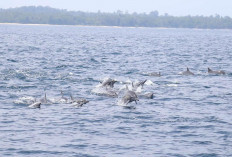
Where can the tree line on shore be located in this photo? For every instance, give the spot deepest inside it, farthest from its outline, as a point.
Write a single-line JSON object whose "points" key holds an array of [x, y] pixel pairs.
{"points": [[47, 15]]}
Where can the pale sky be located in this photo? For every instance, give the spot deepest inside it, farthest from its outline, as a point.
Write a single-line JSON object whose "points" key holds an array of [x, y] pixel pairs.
{"points": [[172, 7]]}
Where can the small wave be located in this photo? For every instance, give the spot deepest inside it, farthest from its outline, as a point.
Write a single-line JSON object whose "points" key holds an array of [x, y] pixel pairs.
{"points": [[149, 83], [25, 100], [98, 90], [20, 86], [172, 85]]}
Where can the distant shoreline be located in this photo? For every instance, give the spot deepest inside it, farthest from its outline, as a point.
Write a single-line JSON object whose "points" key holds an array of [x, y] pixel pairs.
{"points": [[34, 15], [32, 24], [109, 26]]}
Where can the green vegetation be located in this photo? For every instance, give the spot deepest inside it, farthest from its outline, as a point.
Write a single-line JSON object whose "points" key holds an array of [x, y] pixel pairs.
{"points": [[47, 15]]}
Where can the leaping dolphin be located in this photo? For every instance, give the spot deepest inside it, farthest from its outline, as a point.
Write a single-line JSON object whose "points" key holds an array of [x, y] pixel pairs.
{"points": [[108, 82], [129, 96], [140, 83]]}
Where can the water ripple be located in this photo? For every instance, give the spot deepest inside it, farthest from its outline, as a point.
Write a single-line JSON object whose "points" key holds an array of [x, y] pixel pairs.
{"points": [[188, 116]]}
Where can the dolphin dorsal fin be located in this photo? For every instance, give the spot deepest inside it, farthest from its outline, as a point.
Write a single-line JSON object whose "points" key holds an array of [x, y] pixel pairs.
{"points": [[62, 94], [71, 97], [144, 82], [209, 69], [187, 69], [45, 97], [127, 87]]}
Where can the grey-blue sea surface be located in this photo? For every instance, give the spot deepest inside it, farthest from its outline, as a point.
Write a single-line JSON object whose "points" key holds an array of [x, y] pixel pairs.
{"points": [[189, 116]]}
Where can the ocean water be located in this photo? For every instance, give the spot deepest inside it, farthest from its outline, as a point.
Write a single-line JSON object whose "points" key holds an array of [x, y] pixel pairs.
{"points": [[189, 116]]}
